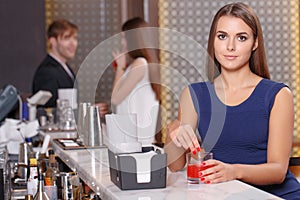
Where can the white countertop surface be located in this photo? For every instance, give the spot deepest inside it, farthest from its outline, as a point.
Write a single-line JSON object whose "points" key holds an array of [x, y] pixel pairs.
{"points": [[59, 134], [92, 167]]}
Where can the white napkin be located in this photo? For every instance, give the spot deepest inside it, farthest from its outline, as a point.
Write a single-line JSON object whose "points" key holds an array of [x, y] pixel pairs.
{"points": [[143, 165], [11, 130], [122, 133]]}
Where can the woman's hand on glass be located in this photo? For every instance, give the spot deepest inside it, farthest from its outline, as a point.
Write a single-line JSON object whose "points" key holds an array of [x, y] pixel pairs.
{"points": [[217, 171]]}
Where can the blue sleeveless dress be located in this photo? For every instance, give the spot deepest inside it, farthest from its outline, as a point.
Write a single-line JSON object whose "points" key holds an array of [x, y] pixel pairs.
{"points": [[239, 134]]}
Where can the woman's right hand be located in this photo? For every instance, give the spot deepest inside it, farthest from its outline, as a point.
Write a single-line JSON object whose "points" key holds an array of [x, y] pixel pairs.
{"points": [[119, 60], [183, 136]]}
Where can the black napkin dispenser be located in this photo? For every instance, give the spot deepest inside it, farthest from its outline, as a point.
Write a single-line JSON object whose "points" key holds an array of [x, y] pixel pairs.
{"points": [[124, 173]]}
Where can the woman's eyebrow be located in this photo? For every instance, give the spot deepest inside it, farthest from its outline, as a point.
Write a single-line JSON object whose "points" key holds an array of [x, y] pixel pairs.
{"points": [[224, 32], [242, 33], [239, 33]]}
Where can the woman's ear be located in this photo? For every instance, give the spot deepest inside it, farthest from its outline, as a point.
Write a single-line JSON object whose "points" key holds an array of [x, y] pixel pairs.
{"points": [[255, 45]]}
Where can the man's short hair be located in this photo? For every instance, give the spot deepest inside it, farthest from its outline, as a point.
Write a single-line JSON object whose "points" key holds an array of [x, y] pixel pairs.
{"points": [[59, 27]]}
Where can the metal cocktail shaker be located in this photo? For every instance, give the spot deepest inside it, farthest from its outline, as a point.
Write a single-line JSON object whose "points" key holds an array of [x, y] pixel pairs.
{"points": [[93, 130]]}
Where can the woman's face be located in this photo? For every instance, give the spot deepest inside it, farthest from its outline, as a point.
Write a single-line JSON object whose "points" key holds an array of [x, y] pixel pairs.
{"points": [[234, 42]]}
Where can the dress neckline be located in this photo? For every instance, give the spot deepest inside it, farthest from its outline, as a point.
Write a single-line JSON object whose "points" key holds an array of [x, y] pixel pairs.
{"points": [[243, 102]]}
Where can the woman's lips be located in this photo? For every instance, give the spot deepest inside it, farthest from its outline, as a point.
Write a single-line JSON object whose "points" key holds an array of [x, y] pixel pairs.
{"points": [[230, 57]]}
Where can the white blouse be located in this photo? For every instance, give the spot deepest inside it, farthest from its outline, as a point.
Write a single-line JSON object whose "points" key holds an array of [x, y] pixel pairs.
{"points": [[142, 101]]}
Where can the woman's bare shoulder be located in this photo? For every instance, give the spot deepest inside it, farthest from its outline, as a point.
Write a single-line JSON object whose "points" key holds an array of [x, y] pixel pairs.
{"points": [[138, 62]]}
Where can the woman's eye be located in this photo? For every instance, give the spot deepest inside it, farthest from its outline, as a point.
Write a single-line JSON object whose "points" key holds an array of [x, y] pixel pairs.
{"points": [[222, 36], [242, 38]]}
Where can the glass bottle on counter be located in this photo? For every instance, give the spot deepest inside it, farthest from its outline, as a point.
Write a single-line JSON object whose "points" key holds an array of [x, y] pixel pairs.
{"points": [[52, 171], [41, 195], [32, 181], [50, 176], [42, 163], [53, 162]]}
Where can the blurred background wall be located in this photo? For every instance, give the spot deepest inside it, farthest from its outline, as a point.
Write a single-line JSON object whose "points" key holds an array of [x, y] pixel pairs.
{"points": [[22, 39]]}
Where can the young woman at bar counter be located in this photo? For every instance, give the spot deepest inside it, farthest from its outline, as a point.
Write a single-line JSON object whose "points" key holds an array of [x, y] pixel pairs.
{"points": [[254, 114], [132, 87]]}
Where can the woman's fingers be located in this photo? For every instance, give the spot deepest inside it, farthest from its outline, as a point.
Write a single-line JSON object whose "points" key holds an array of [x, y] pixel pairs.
{"points": [[217, 172], [187, 138], [193, 141], [173, 136], [115, 54], [184, 136]]}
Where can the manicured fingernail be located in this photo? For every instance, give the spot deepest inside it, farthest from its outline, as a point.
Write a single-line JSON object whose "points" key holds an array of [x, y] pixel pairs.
{"points": [[194, 152], [198, 148], [202, 179], [203, 163], [207, 182]]}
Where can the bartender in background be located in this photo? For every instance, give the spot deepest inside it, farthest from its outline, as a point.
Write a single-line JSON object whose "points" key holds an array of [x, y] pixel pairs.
{"points": [[54, 72]]}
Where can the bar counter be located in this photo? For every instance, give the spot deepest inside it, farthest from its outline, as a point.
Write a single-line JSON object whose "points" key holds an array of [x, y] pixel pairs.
{"points": [[92, 167]]}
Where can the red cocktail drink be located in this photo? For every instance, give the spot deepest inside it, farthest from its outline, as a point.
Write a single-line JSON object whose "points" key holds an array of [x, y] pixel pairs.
{"points": [[193, 170], [194, 166]]}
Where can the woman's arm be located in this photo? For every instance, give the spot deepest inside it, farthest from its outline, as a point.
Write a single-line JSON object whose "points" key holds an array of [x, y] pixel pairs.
{"points": [[123, 86], [281, 126], [181, 134]]}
